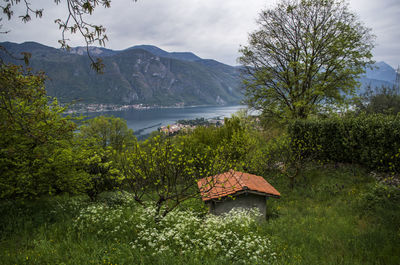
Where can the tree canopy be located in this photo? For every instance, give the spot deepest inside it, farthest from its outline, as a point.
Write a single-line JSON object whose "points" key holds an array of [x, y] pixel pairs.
{"points": [[305, 55], [36, 154]]}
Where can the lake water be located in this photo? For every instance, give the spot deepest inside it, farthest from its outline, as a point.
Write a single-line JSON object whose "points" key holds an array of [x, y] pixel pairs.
{"points": [[147, 120]]}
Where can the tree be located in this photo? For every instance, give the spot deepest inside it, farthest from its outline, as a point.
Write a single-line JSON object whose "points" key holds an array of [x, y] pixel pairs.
{"points": [[384, 100], [101, 140], [233, 139], [36, 152], [289, 156], [109, 132], [164, 171], [305, 55]]}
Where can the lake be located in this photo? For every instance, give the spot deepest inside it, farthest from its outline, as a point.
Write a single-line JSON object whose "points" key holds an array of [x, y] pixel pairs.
{"points": [[147, 120]]}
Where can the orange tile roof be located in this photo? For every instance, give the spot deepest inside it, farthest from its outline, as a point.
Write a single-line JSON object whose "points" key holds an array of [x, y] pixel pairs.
{"points": [[231, 182]]}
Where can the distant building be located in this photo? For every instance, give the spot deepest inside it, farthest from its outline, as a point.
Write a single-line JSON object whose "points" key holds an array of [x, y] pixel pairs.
{"points": [[174, 128], [216, 122], [234, 189]]}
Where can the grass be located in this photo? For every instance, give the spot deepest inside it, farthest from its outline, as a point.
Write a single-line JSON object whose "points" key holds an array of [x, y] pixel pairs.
{"points": [[332, 216], [324, 220]]}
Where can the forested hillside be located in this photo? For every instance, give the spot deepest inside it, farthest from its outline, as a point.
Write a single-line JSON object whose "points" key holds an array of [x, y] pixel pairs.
{"points": [[141, 74]]}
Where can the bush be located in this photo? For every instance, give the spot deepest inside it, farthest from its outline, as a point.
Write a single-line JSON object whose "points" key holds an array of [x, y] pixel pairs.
{"points": [[369, 140], [234, 137], [381, 203]]}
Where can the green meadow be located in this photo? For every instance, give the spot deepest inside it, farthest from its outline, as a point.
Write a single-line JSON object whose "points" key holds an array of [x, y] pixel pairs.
{"points": [[337, 215]]}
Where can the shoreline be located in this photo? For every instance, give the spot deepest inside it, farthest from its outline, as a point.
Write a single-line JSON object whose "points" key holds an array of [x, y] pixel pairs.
{"points": [[99, 107]]}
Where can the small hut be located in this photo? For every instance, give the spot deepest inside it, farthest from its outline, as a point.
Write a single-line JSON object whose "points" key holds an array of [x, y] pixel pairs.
{"points": [[234, 189]]}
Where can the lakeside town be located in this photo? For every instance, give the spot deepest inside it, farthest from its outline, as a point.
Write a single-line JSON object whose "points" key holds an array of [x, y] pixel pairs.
{"points": [[188, 125], [99, 107]]}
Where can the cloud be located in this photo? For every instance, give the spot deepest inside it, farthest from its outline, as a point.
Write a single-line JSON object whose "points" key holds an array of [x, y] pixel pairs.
{"points": [[383, 18], [210, 28]]}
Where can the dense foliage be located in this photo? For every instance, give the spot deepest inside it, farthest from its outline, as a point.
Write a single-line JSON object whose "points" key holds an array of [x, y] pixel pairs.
{"points": [[37, 156], [369, 140], [304, 56], [383, 100], [233, 139]]}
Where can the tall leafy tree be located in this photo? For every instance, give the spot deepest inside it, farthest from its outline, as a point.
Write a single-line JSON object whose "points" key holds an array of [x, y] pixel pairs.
{"points": [[101, 141], [36, 152], [305, 55]]}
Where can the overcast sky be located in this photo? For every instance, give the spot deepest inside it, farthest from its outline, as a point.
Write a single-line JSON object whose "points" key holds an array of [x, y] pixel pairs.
{"points": [[209, 28]]}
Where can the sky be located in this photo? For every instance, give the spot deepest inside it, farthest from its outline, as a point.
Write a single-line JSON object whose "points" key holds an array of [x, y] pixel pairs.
{"points": [[212, 29]]}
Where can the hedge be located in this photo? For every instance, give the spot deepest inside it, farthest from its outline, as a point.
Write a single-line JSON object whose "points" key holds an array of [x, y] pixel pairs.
{"points": [[369, 140]]}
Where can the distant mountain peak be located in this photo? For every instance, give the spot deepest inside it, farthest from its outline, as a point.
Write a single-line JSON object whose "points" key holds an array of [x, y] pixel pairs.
{"points": [[31, 43], [27, 45], [185, 56], [381, 71], [382, 64], [150, 48]]}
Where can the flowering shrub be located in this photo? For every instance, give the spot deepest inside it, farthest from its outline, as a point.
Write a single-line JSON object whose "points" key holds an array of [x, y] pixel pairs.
{"points": [[230, 238]]}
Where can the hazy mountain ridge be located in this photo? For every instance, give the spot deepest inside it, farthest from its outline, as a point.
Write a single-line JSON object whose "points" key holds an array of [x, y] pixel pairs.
{"points": [[381, 71], [380, 74], [133, 75]]}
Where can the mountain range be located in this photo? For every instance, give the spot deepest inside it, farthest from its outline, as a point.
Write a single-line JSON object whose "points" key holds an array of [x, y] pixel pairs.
{"points": [[381, 74], [140, 74], [147, 74]]}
